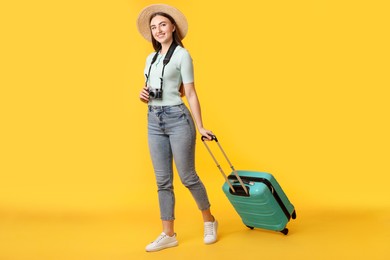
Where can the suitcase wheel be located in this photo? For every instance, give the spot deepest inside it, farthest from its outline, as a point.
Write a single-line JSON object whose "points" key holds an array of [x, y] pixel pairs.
{"points": [[294, 215], [284, 231], [250, 227]]}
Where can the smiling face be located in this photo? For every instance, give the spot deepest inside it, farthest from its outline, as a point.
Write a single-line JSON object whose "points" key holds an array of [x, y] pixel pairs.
{"points": [[162, 29]]}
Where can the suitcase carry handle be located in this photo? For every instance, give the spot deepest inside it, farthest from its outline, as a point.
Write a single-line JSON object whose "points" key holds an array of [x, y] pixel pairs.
{"points": [[214, 138]]}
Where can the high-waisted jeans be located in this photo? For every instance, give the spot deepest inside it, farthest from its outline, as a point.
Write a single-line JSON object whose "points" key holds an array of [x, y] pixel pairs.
{"points": [[171, 137]]}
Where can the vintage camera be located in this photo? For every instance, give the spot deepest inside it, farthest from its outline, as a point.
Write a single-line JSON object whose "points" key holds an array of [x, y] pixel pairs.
{"points": [[155, 93]]}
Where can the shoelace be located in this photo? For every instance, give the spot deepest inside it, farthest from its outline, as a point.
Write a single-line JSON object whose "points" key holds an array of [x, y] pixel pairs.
{"points": [[208, 229], [162, 236]]}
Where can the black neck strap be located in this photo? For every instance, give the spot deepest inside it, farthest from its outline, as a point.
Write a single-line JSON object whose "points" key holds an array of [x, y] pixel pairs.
{"points": [[167, 58]]}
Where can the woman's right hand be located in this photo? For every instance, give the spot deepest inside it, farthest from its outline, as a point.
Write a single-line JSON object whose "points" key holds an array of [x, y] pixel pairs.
{"points": [[144, 95]]}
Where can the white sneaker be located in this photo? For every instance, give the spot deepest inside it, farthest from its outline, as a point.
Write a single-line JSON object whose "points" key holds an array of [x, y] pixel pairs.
{"points": [[163, 241], [210, 232]]}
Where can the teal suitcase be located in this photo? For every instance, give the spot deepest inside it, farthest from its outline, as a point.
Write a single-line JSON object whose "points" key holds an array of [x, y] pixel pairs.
{"points": [[257, 197]]}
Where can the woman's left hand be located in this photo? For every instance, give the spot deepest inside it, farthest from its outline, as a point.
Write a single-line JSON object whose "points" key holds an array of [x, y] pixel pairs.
{"points": [[207, 133]]}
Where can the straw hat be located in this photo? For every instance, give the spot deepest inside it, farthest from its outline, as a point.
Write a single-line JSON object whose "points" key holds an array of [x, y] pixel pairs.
{"points": [[143, 21]]}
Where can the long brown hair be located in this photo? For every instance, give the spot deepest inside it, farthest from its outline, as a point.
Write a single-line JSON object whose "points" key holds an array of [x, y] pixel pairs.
{"points": [[175, 35]]}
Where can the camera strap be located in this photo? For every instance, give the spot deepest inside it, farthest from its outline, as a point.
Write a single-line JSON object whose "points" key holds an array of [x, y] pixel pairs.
{"points": [[167, 58]]}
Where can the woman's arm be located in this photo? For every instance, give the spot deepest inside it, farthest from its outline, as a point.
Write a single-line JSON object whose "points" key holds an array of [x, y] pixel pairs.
{"points": [[194, 104]]}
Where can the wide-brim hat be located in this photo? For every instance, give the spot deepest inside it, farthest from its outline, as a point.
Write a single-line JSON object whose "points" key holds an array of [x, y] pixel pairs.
{"points": [[143, 21]]}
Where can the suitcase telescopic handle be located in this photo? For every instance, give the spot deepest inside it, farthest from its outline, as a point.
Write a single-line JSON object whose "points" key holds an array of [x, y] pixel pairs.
{"points": [[214, 138]]}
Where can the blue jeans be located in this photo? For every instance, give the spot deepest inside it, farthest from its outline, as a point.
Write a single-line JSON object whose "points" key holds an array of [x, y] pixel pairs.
{"points": [[171, 136]]}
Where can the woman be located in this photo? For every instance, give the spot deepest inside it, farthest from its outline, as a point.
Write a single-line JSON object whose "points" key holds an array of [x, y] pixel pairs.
{"points": [[171, 129]]}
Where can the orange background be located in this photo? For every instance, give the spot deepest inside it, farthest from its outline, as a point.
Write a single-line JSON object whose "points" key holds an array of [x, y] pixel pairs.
{"points": [[298, 89]]}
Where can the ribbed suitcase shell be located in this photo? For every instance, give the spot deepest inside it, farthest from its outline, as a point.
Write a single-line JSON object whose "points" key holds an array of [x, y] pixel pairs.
{"points": [[260, 209]]}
